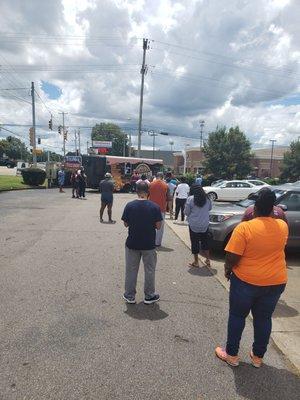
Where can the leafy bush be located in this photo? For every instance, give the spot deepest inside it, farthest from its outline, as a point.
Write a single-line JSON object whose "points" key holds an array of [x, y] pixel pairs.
{"points": [[33, 176], [272, 181]]}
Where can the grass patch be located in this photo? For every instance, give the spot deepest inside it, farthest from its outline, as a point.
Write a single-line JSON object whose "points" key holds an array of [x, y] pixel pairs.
{"points": [[12, 183]]}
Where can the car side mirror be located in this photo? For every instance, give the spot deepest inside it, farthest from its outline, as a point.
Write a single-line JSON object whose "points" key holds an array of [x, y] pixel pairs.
{"points": [[283, 207]]}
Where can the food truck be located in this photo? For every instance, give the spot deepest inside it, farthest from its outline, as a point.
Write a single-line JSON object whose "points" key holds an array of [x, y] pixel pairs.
{"points": [[121, 169]]}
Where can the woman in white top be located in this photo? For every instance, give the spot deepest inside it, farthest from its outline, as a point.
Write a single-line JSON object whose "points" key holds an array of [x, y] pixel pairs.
{"points": [[182, 193]]}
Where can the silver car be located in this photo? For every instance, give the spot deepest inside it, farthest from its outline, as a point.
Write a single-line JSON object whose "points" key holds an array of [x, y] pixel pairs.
{"points": [[225, 217]]}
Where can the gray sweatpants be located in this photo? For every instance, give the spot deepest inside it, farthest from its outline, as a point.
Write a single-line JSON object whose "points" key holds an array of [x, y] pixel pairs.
{"points": [[133, 258]]}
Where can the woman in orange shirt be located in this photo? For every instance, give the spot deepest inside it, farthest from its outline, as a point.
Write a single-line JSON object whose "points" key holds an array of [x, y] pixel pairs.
{"points": [[255, 264]]}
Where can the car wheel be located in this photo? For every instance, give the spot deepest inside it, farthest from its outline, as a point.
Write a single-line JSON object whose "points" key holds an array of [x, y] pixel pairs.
{"points": [[212, 196]]}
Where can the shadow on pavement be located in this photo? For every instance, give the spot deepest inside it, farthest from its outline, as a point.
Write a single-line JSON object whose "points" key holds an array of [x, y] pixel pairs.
{"points": [[164, 249], [266, 383], [202, 271], [142, 311], [282, 310]]}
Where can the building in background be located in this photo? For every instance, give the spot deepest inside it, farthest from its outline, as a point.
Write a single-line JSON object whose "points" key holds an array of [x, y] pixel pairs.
{"points": [[261, 161]]}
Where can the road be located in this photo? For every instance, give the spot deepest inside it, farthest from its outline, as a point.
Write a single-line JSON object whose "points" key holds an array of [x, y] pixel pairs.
{"points": [[66, 333]]}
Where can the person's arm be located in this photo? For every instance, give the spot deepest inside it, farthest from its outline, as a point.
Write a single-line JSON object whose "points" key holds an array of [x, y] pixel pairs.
{"points": [[125, 217], [125, 224], [231, 260], [100, 187], [158, 225], [158, 218], [187, 208], [235, 248]]}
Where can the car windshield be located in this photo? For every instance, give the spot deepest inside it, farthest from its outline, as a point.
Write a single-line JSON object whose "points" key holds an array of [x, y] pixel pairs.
{"points": [[218, 183], [249, 202], [257, 183]]}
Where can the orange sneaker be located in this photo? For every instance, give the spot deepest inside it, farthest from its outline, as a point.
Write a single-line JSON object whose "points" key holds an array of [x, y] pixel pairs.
{"points": [[257, 362], [234, 361]]}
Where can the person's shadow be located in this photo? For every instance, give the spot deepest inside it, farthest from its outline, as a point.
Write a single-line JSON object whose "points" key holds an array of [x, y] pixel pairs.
{"points": [[202, 271], [266, 383], [143, 311]]}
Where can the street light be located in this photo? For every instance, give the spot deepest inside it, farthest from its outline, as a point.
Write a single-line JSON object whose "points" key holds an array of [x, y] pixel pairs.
{"points": [[184, 157], [171, 143], [153, 134], [202, 123]]}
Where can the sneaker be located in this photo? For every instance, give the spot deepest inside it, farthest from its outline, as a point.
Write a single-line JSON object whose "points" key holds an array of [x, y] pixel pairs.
{"points": [[234, 361], [256, 361], [151, 300], [129, 300]]}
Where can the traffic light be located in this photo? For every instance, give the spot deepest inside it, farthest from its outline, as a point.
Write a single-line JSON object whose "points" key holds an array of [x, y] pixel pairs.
{"points": [[65, 135], [50, 124], [31, 136], [59, 129], [39, 140]]}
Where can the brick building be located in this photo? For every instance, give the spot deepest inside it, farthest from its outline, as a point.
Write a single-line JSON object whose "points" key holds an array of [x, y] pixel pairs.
{"points": [[261, 161]]}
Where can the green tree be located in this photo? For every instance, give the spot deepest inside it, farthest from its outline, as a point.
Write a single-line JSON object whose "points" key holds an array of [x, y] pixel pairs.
{"points": [[291, 163], [113, 133], [227, 153], [14, 148]]}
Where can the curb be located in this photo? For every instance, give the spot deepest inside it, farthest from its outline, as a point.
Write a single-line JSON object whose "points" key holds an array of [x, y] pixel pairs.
{"points": [[26, 188], [295, 369]]}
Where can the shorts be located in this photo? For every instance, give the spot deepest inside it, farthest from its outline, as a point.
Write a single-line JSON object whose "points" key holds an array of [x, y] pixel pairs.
{"points": [[196, 239], [107, 198]]}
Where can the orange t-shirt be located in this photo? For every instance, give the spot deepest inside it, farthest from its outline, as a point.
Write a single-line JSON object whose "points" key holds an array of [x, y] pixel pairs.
{"points": [[158, 194], [261, 244]]}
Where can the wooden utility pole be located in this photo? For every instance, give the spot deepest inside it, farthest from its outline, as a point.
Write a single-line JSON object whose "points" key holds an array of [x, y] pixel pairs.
{"points": [[33, 125], [143, 73]]}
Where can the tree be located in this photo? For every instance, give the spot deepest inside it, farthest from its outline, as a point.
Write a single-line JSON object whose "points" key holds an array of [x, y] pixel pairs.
{"points": [[291, 163], [14, 148], [227, 154], [113, 133]]}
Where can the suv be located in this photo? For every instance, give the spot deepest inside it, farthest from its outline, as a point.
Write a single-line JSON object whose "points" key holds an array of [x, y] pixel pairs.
{"points": [[224, 218]]}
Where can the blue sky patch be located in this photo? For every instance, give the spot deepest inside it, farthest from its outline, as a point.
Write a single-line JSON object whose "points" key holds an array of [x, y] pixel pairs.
{"points": [[52, 91], [286, 101]]}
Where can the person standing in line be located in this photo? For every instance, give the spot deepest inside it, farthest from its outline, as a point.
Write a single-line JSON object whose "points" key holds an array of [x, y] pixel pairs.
{"points": [[106, 189], [172, 187], [61, 175], [182, 193], [142, 217], [82, 182], [134, 178], [198, 180], [143, 179], [73, 181], [158, 192], [197, 209], [256, 267]]}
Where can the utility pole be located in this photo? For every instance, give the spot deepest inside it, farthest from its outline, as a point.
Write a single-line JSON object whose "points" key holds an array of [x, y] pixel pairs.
{"points": [[87, 147], [63, 127], [153, 134], [272, 152], [33, 125], [75, 134], [124, 144], [143, 73], [79, 145], [202, 123], [171, 143]]}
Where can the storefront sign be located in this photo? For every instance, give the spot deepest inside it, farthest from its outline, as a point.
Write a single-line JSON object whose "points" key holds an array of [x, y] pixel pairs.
{"points": [[101, 143]]}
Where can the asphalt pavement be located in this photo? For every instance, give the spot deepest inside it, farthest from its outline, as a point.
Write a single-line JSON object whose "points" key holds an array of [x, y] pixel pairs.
{"points": [[66, 333]]}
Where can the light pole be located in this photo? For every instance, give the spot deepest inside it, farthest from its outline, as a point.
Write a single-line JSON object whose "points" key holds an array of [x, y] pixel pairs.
{"points": [[272, 153], [153, 134], [171, 143], [202, 123], [130, 141], [184, 157]]}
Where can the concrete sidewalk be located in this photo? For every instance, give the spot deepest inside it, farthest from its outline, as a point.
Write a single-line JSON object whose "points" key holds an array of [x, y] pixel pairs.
{"points": [[286, 319]]}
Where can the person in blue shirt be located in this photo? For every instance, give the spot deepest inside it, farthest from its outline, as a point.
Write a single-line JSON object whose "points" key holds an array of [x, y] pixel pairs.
{"points": [[61, 179], [142, 217], [198, 180]]}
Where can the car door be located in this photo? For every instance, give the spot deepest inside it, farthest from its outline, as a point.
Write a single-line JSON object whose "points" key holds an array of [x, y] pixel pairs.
{"points": [[226, 191], [292, 203]]}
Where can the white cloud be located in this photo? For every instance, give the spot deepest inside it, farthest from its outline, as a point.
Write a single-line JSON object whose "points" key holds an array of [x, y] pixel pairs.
{"points": [[234, 62]]}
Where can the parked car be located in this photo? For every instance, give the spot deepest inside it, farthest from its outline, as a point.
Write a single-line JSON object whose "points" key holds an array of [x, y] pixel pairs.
{"points": [[225, 217], [231, 190], [7, 163], [257, 182], [218, 182]]}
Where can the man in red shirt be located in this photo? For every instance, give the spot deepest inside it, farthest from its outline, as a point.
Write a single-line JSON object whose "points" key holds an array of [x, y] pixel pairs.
{"points": [[158, 191]]}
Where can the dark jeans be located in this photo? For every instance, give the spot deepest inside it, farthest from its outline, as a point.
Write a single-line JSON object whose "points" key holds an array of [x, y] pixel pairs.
{"points": [[261, 300], [179, 206], [196, 239]]}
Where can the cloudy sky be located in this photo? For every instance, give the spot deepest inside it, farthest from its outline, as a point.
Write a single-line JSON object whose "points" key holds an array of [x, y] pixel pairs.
{"points": [[227, 63]]}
